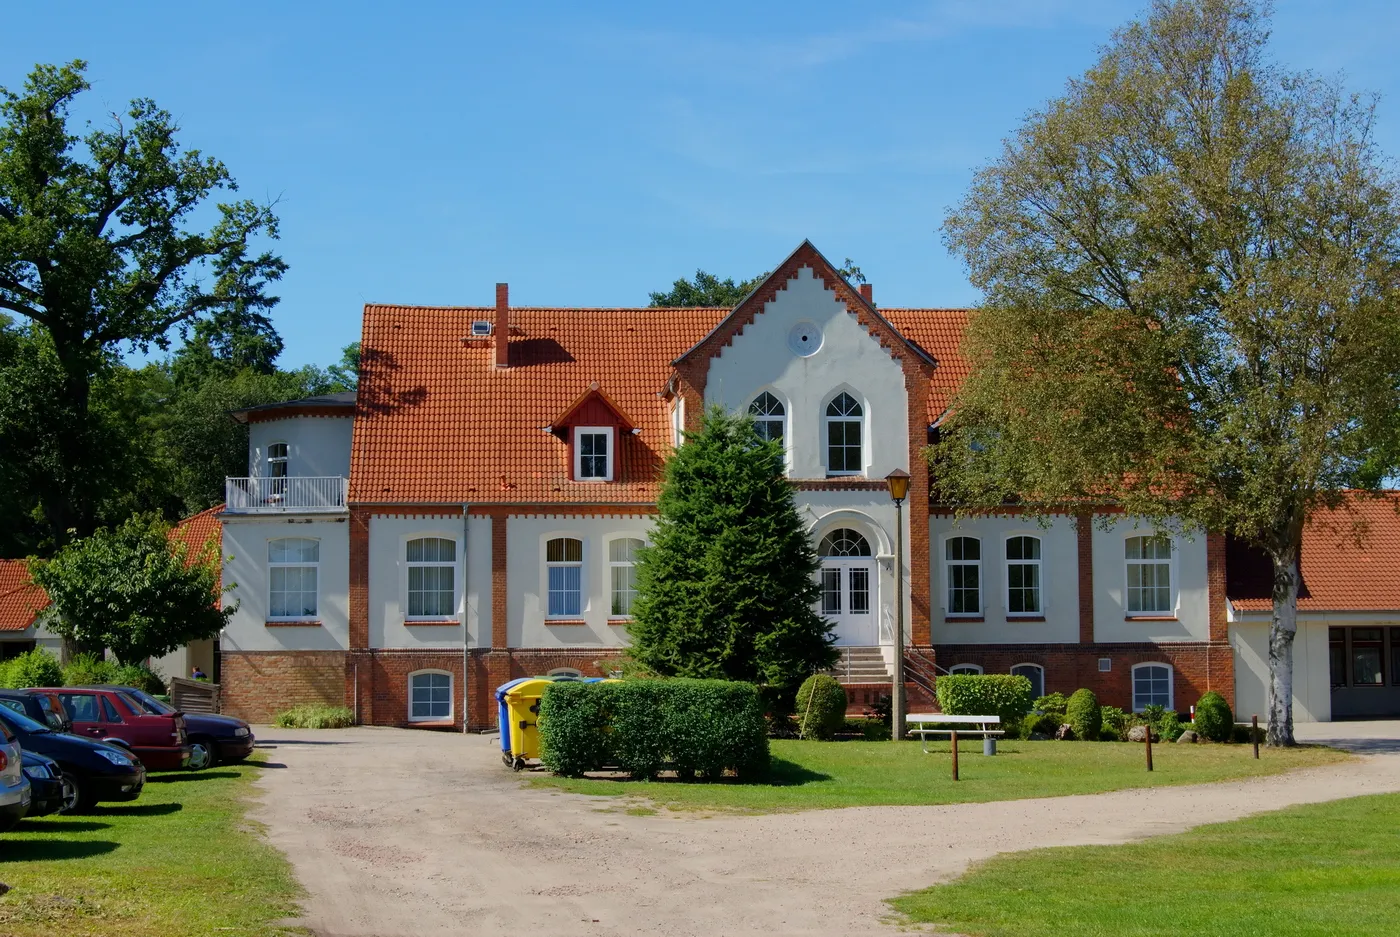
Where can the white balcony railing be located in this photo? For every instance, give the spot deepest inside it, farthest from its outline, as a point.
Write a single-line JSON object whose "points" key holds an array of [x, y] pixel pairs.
{"points": [[257, 495]]}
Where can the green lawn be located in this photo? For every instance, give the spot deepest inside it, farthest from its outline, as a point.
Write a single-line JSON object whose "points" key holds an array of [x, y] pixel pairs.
{"points": [[1325, 870], [808, 775], [181, 860]]}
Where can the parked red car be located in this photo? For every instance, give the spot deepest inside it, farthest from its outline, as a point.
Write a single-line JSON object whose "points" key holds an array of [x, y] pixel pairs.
{"points": [[158, 739]]}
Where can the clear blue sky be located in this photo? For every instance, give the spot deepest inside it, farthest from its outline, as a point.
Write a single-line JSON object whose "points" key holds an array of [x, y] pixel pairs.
{"points": [[590, 153]]}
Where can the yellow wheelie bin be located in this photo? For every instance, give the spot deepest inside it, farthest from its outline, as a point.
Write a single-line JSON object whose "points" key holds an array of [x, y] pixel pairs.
{"points": [[521, 706]]}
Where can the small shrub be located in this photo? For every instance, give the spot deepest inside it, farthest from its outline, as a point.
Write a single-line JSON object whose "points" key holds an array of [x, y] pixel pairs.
{"points": [[882, 711], [141, 677], [1165, 722], [821, 707], [871, 730], [315, 716], [1214, 721], [1241, 733], [32, 668], [88, 670], [990, 694], [1114, 725], [1044, 723], [694, 727], [1083, 712], [1053, 704]]}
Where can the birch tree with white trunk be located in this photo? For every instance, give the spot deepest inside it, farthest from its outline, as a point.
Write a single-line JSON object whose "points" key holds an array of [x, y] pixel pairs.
{"points": [[1191, 269]]}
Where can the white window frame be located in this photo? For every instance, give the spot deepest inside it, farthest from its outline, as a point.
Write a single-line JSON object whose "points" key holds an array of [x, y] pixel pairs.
{"points": [[1173, 593], [581, 564], [1171, 683], [948, 578], [299, 564], [678, 422], [770, 418], [571, 672], [455, 565], [621, 564], [1041, 667], [283, 460], [451, 695], [861, 421], [611, 434], [966, 668], [1006, 574]]}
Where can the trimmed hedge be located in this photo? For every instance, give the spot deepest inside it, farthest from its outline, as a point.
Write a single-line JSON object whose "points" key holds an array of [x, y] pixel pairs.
{"points": [[1214, 720], [315, 716], [1084, 714], [694, 727], [989, 694], [821, 707], [1047, 724]]}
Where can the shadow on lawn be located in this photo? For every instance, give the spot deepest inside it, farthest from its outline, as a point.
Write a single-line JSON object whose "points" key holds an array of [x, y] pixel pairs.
{"points": [[781, 773], [49, 850], [138, 810], [189, 776]]}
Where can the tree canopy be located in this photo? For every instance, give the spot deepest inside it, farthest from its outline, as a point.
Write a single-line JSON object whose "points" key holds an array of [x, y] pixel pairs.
{"points": [[1192, 298], [709, 290], [100, 250], [133, 589], [727, 589]]}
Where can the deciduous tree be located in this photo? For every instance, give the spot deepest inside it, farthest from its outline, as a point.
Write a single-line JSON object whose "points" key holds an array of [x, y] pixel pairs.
{"points": [[1190, 264]]}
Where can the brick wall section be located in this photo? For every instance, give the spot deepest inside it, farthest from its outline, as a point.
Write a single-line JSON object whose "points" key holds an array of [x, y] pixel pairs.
{"points": [[1084, 531], [1215, 587], [917, 506], [1197, 666], [359, 577], [257, 685], [499, 592]]}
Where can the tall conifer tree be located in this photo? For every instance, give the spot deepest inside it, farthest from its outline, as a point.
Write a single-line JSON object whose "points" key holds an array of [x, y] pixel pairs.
{"points": [[728, 587]]}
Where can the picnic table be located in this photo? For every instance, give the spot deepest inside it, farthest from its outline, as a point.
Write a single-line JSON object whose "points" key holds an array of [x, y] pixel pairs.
{"points": [[925, 724]]}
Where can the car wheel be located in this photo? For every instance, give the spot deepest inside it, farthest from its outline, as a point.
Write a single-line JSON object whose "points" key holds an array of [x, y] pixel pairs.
{"points": [[75, 796], [202, 755]]}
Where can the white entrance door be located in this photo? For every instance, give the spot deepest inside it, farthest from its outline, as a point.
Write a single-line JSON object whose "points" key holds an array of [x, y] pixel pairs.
{"points": [[848, 588]]}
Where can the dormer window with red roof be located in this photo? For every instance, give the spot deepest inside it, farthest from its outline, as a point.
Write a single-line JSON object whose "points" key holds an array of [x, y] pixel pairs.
{"points": [[593, 453]]}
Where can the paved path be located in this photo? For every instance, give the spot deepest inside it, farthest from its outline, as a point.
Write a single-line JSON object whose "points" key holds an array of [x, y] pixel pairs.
{"points": [[397, 833]]}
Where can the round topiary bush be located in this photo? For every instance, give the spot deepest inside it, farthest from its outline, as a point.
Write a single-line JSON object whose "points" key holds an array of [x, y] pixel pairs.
{"points": [[1047, 724], [1214, 721], [1083, 712], [821, 707]]}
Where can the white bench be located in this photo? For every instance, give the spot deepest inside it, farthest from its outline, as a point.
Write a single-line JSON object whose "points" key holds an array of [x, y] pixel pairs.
{"points": [[925, 724]]}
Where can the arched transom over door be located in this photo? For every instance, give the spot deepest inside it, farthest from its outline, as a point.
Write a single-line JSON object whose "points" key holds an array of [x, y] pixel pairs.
{"points": [[848, 587]]}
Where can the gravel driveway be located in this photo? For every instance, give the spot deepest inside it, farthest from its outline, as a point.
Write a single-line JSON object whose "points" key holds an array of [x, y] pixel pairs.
{"points": [[399, 832]]}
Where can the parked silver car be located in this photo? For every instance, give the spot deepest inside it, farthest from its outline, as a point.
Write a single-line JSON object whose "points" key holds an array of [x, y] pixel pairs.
{"points": [[14, 786]]}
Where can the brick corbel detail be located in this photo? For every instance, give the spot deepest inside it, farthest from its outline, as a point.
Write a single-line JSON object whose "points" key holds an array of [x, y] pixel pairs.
{"points": [[1084, 531]]}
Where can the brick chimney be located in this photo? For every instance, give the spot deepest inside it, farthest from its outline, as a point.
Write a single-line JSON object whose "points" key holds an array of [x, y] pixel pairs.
{"points": [[867, 293], [502, 329]]}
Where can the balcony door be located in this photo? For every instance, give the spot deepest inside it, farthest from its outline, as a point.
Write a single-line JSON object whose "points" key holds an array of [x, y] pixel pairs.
{"points": [[848, 587]]}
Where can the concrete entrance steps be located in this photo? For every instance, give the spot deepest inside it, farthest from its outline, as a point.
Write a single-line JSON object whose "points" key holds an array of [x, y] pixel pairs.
{"points": [[861, 665]]}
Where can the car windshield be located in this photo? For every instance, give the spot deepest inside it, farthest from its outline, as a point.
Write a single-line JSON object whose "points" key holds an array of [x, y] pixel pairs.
{"points": [[14, 720], [141, 701]]}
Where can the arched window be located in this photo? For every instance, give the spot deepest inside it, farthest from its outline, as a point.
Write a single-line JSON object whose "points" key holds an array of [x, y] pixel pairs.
{"points": [[432, 577], [429, 696], [963, 558], [844, 420], [768, 417], [1152, 686], [1149, 570], [1035, 674], [843, 542], [563, 558], [965, 669], [293, 564], [1023, 576], [566, 673], [622, 569]]}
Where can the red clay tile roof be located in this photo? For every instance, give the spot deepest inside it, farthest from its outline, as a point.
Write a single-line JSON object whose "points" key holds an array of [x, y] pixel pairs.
{"points": [[198, 529], [20, 599], [940, 333], [1339, 575]]}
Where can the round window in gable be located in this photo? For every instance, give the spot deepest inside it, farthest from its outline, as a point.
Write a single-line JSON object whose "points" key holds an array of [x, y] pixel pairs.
{"points": [[805, 339]]}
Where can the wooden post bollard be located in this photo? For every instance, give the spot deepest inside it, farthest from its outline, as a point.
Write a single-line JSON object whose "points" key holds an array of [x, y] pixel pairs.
{"points": [[955, 754], [1254, 733], [1148, 737]]}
